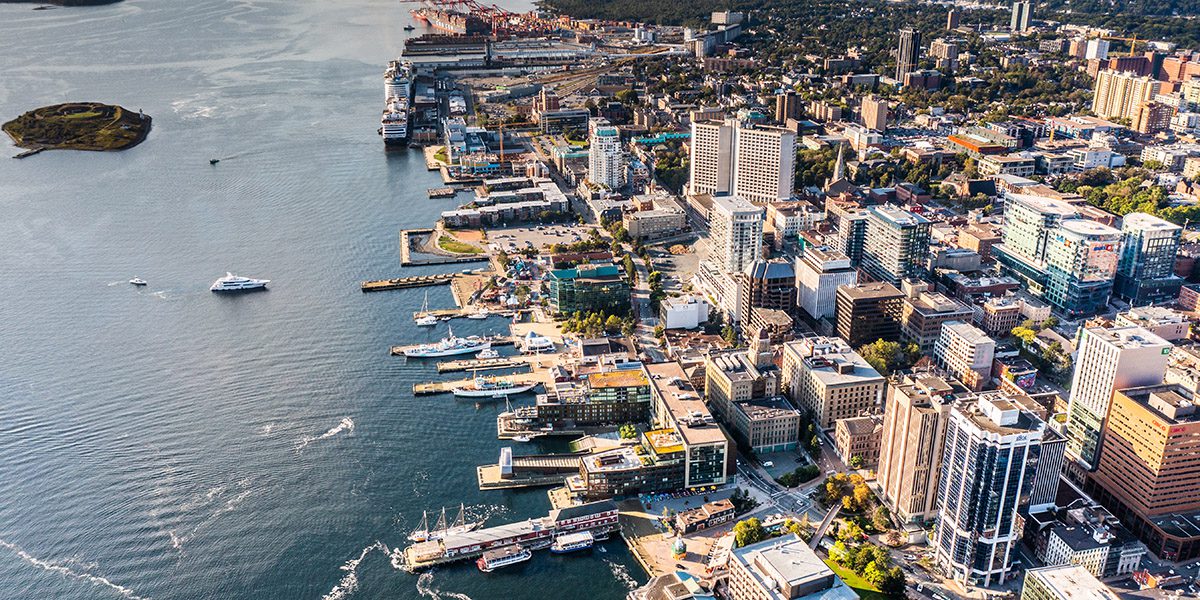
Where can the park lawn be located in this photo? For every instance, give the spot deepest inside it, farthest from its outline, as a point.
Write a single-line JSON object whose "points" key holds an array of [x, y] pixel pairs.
{"points": [[450, 244], [440, 155], [860, 586]]}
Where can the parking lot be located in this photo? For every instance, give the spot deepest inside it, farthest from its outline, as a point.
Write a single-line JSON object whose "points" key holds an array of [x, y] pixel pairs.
{"points": [[519, 237], [677, 269]]}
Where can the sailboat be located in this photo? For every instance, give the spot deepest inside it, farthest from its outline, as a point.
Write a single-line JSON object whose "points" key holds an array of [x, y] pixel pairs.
{"points": [[440, 529], [425, 319]]}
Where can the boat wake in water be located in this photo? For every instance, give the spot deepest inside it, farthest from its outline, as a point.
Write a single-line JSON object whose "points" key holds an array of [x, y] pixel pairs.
{"points": [[620, 573], [425, 588], [95, 580], [349, 582], [213, 494], [346, 424]]}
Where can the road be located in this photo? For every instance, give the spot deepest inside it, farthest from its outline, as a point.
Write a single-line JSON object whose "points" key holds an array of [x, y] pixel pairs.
{"points": [[647, 320]]}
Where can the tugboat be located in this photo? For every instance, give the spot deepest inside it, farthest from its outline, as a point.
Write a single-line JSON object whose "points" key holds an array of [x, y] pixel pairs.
{"points": [[503, 557], [572, 542], [409, 28]]}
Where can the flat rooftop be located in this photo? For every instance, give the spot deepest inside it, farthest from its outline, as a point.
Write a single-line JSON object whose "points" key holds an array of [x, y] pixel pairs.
{"points": [[617, 379], [899, 216], [765, 409], [788, 563], [868, 291], [691, 417], [1072, 582], [1086, 227], [1144, 222], [1129, 337]]}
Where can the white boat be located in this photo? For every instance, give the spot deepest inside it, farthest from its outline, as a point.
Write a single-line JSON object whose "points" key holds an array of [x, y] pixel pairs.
{"points": [[440, 529], [393, 125], [503, 557], [489, 353], [522, 438], [235, 283], [452, 345], [138, 281], [490, 387], [425, 319], [571, 542], [482, 313]]}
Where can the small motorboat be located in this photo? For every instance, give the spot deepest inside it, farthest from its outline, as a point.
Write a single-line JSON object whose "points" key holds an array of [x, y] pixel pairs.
{"points": [[489, 353], [409, 28], [482, 313], [522, 438], [213, 161], [138, 281]]}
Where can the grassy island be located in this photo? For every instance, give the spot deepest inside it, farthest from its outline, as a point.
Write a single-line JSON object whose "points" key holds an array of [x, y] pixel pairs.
{"points": [[79, 126]]}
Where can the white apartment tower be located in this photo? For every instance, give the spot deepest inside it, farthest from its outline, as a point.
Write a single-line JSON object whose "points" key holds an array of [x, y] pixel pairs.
{"points": [[819, 273], [606, 165], [1108, 360], [966, 352], [736, 232], [755, 163]]}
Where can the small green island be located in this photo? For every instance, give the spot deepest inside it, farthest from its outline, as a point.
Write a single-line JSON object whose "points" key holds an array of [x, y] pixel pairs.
{"points": [[78, 126]]}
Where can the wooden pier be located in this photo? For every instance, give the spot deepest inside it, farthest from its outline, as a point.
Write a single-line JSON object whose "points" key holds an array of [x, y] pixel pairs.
{"points": [[442, 192], [482, 364], [407, 282]]}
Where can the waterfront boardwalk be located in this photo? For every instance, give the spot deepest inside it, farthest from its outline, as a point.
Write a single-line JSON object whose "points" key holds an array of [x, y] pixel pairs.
{"points": [[407, 282]]}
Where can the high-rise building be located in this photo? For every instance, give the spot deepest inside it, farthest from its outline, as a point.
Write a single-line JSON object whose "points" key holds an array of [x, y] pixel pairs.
{"points": [[952, 18], [1146, 271], [768, 284], [1119, 95], [1108, 360], [606, 164], [989, 464], [708, 453], [944, 54], [756, 163], [868, 312], [1148, 474], [874, 113], [897, 244], [1067, 261], [764, 164], [819, 273], [711, 160], [923, 313], [1021, 13], [1153, 117], [966, 352], [1064, 582], [736, 229], [908, 52], [850, 229], [829, 380], [914, 429], [788, 105], [1095, 48]]}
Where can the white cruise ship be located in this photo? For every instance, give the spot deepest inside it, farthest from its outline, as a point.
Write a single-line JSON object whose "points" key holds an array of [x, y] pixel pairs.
{"points": [[397, 80], [234, 283], [394, 124]]}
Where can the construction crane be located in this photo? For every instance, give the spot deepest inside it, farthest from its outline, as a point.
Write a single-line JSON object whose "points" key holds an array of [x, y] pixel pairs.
{"points": [[1133, 41]]}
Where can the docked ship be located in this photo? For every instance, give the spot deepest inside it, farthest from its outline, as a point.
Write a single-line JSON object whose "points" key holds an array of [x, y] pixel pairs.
{"points": [[441, 528], [234, 283], [490, 387], [397, 93], [503, 557], [452, 22], [451, 345], [572, 542]]}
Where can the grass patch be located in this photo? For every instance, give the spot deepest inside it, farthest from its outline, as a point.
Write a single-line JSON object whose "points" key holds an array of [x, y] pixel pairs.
{"points": [[440, 155], [860, 586], [450, 244]]}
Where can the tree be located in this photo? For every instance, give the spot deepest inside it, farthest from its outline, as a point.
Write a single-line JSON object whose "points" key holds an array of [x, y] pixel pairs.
{"points": [[627, 97], [850, 532], [749, 532], [862, 496], [885, 356], [628, 431], [659, 331], [880, 519], [874, 575], [729, 334], [1025, 334], [856, 462]]}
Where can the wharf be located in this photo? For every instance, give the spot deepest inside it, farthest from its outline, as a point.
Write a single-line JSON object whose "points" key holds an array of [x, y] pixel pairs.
{"points": [[442, 192], [442, 387], [401, 283], [496, 340], [532, 470], [483, 364]]}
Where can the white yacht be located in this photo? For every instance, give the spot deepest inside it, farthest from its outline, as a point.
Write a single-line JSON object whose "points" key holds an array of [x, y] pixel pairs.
{"points": [[234, 283], [425, 319], [489, 353], [482, 313], [138, 281], [449, 346], [491, 387]]}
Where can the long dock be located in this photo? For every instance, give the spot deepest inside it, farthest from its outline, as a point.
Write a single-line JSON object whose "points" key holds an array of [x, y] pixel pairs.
{"points": [[401, 283], [496, 340], [537, 470], [442, 387], [482, 364]]}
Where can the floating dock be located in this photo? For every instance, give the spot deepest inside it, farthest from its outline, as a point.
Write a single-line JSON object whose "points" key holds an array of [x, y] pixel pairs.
{"points": [[401, 283], [442, 192], [482, 364]]}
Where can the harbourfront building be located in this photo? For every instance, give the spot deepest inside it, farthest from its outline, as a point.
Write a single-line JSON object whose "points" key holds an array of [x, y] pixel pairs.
{"points": [[897, 244], [829, 380], [1146, 270], [709, 454], [989, 464], [586, 288], [783, 568], [613, 396], [1108, 360]]}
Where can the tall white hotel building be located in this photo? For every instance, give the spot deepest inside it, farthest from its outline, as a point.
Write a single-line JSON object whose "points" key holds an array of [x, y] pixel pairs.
{"points": [[731, 158]]}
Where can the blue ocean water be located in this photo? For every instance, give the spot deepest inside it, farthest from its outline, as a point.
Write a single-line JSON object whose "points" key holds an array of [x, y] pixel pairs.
{"points": [[168, 443]]}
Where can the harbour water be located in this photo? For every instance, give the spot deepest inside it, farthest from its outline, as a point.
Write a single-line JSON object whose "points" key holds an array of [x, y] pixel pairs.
{"points": [[165, 442]]}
